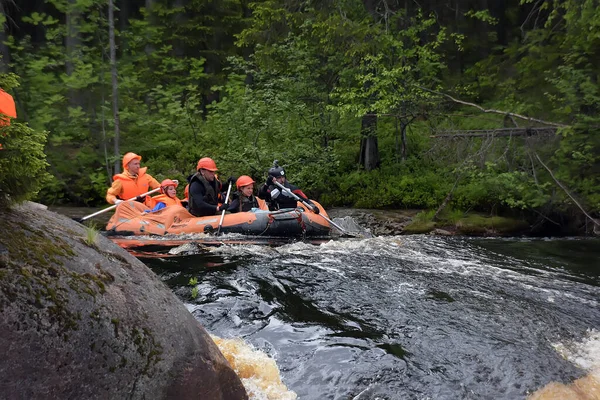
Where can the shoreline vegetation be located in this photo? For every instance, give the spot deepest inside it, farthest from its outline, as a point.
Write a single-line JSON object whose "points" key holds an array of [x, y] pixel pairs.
{"points": [[482, 112]]}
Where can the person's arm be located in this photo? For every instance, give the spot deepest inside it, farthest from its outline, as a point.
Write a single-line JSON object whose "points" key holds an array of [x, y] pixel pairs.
{"points": [[159, 206], [234, 206], [264, 193], [114, 191], [296, 190]]}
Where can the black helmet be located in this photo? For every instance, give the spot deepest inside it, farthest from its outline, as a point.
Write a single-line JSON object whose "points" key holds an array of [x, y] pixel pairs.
{"points": [[276, 171]]}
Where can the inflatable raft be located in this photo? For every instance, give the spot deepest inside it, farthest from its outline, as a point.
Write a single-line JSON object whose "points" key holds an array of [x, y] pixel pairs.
{"points": [[133, 218]]}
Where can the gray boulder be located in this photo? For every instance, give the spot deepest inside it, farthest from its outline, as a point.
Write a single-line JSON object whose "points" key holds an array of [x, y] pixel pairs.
{"points": [[83, 319]]}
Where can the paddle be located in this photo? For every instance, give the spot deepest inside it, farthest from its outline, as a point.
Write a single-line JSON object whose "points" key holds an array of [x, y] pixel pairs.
{"points": [[114, 206], [311, 207], [223, 213]]}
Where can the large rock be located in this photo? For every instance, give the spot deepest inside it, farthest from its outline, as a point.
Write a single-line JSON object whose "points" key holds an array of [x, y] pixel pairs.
{"points": [[82, 319]]}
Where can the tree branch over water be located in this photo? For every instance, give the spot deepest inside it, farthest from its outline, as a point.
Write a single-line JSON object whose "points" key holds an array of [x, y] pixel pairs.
{"points": [[485, 110], [566, 191]]}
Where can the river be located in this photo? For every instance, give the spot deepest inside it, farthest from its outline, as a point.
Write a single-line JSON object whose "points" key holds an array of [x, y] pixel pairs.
{"points": [[399, 317]]}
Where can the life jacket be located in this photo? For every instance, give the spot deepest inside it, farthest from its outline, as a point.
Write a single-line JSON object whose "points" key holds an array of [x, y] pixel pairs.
{"points": [[284, 200], [211, 195], [133, 186], [246, 203], [163, 198]]}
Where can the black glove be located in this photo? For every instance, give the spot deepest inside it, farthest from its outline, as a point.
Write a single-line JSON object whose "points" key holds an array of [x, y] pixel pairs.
{"points": [[223, 206], [232, 180], [315, 209], [141, 199], [269, 181]]}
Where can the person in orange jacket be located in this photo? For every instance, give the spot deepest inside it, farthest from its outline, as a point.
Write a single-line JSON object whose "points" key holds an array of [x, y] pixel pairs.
{"points": [[133, 182], [167, 198]]}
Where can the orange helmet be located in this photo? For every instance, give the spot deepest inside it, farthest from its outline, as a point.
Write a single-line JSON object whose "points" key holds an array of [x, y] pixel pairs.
{"points": [[165, 183], [207, 163], [243, 180], [127, 158]]}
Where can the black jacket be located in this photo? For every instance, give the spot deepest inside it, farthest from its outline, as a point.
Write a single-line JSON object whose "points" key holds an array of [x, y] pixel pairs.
{"points": [[283, 200], [242, 203], [204, 196]]}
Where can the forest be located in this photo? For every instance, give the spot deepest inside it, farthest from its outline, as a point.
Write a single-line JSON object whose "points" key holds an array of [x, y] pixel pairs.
{"points": [[451, 106]]}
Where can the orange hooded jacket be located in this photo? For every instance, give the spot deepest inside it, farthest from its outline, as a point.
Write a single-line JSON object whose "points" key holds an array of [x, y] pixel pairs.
{"points": [[127, 186]]}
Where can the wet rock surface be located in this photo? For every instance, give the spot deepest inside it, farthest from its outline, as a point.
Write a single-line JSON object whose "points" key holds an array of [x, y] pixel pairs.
{"points": [[83, 319], [378, 222]]}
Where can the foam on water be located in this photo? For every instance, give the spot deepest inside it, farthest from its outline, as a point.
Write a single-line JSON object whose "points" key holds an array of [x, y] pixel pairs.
{"points": [[586, 355], [259, 373]]}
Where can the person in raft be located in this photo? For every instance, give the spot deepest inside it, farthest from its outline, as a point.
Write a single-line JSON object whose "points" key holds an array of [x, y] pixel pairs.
{"points": [[168, 196], [204, 193], [279, 199], [243, 198], [133, 182]]}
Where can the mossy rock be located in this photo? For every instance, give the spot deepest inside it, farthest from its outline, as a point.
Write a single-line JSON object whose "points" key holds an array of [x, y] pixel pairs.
{"points": [[475, 224], [417, 227], [87, 320]]}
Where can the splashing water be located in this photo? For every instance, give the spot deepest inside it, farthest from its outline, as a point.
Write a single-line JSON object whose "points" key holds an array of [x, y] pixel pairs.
{"points": [[412, 317], [258, 372], [586, 355]]}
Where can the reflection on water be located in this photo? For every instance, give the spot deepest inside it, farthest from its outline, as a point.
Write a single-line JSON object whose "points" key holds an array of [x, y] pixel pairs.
{"points": [[403, 317]]}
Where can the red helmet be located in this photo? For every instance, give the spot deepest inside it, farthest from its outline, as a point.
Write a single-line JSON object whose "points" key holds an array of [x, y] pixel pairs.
{"points": [[243, 180], [207, 163], [165, 183], [129, 157]]}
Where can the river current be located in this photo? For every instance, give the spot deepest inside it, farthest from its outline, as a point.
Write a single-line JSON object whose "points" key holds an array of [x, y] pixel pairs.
{"points": [[399, 317]]}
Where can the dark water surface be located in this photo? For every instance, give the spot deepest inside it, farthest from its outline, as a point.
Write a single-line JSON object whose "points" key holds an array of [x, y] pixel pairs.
{"points": [[414, 317]]}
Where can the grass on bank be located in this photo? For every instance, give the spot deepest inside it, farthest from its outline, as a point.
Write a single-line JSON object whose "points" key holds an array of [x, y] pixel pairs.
{"points": [[457, 222]]}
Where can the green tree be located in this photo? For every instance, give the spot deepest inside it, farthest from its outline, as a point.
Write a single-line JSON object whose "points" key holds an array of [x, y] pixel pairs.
{"points": [[22, 159]]}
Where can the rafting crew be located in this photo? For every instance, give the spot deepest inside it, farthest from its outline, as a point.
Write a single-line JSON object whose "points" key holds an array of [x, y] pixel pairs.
{"points": [[204, 192], [133, 182]]}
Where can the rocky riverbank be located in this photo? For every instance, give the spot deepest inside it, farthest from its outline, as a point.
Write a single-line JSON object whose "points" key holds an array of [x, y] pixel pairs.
{"points": [[83, 319], [402, 222]]}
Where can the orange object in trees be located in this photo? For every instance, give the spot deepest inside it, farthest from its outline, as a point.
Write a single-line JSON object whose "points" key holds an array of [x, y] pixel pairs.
{"points": [[7, 107]]}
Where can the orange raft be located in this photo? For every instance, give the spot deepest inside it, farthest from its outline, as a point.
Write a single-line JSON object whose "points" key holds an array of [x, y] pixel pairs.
{"points": [[130, 219]]}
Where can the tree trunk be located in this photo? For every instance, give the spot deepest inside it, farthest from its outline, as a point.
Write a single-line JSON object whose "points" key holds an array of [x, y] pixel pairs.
{"points": [[4, 50], [403, 126], [115, 88], [369, 151], [436, 216], [72, 44], [149, 49], [179, 18]]}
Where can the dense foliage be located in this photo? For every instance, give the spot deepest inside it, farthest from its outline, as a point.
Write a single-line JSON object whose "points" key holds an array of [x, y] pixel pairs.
{"points": [[22, 159], [365, 102]]}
